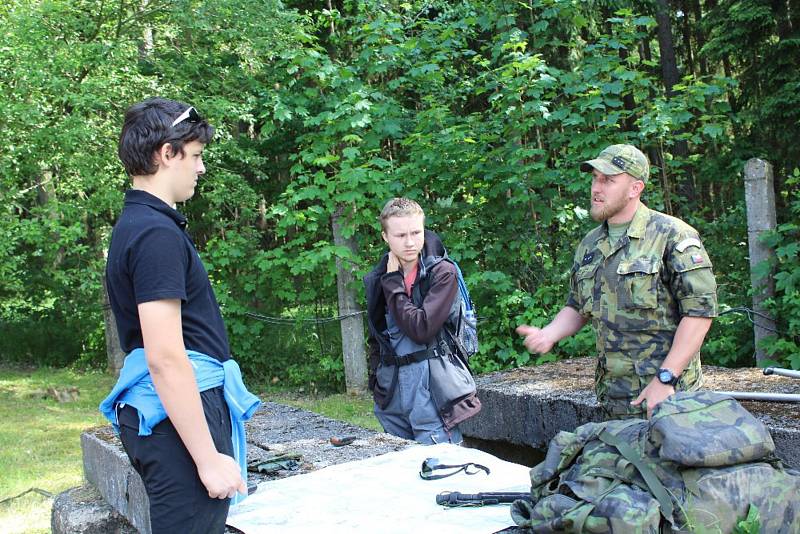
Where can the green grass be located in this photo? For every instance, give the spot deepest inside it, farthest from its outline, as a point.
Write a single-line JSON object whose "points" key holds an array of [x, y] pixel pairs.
{"points": [[40, 437]]}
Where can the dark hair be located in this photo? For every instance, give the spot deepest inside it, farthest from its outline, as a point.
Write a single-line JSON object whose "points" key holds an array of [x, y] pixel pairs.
{"points": [[148, 126]]}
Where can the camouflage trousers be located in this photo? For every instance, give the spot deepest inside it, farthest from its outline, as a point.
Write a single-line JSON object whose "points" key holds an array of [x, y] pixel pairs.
{"points": [[620, 380]]}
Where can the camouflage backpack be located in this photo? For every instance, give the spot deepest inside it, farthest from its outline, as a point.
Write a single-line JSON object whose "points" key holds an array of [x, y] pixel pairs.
{"points": [[698, 465]]}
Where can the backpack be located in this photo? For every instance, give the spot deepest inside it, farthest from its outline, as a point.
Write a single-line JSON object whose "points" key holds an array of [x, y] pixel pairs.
{"points": [[700, 464], [462, 325], [466, 332], [452, 386]]}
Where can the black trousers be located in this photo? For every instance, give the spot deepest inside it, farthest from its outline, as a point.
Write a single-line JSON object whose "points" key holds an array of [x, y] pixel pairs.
{"points": [[178, 500]]}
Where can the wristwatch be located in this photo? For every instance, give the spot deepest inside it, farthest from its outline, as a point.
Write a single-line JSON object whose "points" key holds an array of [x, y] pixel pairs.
{"points": [[666, 377]]}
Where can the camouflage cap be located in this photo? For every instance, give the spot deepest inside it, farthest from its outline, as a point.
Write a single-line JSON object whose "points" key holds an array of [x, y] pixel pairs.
{"points": [[617, 159]]}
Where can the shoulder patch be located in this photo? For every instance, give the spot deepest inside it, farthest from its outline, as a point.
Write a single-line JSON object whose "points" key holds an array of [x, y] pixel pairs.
{"points": [[688, 242]]}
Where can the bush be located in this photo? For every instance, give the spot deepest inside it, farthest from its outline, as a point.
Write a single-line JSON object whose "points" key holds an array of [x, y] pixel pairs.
{"points": [[784, 347]]}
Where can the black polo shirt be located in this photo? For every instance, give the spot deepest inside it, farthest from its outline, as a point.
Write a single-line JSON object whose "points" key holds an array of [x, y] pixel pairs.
{"points": [[151, 257]]}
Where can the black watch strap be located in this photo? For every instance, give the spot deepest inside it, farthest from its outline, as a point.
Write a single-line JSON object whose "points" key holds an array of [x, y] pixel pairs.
{"points": [[665, 376]]}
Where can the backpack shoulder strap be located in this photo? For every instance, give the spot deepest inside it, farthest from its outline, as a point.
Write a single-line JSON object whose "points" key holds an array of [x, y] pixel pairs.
{"points": [[462, 287], [425, 281], [651, 479]]}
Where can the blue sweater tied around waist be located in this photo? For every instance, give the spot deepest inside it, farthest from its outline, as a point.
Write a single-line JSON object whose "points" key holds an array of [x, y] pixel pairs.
{"points": [[135, 388]]}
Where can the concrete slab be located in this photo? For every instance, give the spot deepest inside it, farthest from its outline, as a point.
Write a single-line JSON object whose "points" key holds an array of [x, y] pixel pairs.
{"points": [[530, 405], [274, 429], [82, 510]]}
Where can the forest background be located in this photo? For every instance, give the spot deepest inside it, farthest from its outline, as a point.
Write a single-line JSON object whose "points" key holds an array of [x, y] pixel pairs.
{"points": [[480, 110]]}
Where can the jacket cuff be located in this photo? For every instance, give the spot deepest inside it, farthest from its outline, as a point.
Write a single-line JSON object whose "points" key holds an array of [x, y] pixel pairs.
{"points": [[392, 280]]}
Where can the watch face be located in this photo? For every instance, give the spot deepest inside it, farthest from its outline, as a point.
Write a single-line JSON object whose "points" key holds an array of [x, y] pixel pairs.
{"points": [[664, 376]]}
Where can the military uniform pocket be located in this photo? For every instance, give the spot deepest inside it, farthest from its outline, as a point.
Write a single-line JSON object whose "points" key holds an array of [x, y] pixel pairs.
{"points": [[638, 287], [585, 282]]}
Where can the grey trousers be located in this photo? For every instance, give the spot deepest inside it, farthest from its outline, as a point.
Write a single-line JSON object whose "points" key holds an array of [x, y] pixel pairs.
{"points": [[411, 413]]}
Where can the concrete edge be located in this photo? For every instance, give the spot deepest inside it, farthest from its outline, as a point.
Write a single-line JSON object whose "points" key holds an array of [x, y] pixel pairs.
{"points": [[533, 419], [82, 510], [106, 466]]}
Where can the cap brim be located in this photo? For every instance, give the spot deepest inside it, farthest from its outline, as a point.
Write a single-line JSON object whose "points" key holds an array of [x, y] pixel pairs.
{"points": [[601, 165]]}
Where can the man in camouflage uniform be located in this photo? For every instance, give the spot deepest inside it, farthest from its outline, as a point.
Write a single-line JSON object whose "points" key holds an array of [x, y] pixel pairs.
{"points": [[644, 279]]}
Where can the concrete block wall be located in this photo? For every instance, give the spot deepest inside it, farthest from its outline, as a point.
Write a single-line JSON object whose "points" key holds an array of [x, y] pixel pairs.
{"points": [[106, 467]]}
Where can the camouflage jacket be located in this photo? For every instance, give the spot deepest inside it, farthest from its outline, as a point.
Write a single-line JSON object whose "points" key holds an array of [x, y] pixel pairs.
{"points": [[635, 292]]}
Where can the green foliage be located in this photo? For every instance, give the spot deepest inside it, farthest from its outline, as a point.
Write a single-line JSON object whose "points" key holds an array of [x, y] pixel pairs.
{"points": [[730, 341], [68, 73], [755, 38], [750, 524], [56, 184], [479, 110], [784, 347]]}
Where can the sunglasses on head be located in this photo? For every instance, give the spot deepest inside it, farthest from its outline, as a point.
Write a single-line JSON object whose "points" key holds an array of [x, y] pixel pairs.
{"points": [[189, 115], [433, 464]]}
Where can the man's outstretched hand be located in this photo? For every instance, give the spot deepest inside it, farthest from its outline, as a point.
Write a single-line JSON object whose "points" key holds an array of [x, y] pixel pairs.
{"points": [[536, 339]]}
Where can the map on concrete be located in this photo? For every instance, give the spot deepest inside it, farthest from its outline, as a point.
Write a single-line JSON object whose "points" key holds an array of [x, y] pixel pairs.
{"points": [[382, 494]]}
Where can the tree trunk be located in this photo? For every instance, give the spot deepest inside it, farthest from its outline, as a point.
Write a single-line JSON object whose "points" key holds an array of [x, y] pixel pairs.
{"points": [[726, 68], [644, 49], [784, 25], [146, 44], [794, 15], [699, 36], [352, 324], [628, 101], [686, 32], [47, 197], [666, 45], [656, 159], [671, 77], [711, 5], [113, 350]]}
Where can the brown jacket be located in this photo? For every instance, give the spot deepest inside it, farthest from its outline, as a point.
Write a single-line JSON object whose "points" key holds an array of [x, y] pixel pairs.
{"points": [[386, 292], [421, 319]]}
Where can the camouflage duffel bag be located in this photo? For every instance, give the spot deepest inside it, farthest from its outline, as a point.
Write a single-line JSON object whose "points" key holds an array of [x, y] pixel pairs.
{"points": [[699, 464]]}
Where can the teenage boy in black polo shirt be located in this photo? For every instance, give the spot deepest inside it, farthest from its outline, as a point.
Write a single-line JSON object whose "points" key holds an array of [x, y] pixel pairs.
{"points": [[170, 403]]}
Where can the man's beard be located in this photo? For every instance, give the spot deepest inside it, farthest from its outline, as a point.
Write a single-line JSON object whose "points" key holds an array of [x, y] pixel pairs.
{"points": [[608, 209]]}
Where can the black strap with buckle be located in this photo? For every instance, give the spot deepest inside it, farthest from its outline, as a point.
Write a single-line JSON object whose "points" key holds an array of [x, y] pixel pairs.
{"points": [[432, 464], [415, 357]]}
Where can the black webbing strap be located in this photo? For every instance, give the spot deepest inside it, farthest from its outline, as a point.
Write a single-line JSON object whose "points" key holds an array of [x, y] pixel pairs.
{"points": [[397, 362], [415, 357], [651, 479]]}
